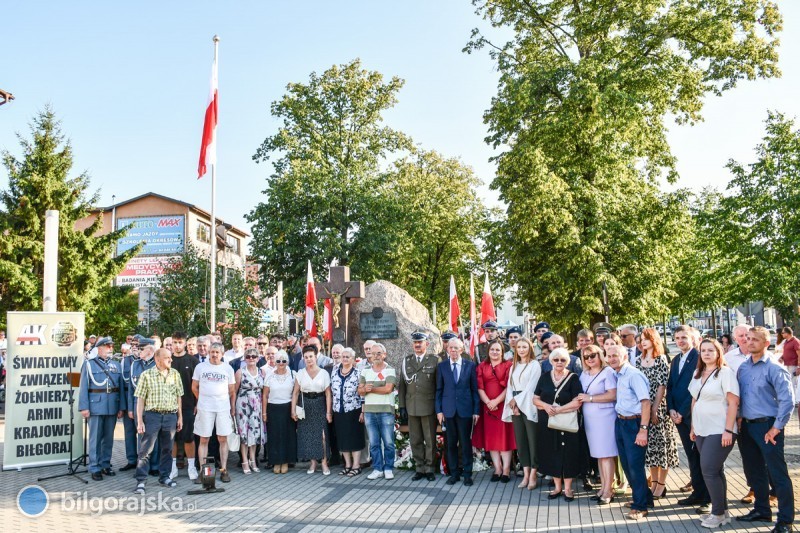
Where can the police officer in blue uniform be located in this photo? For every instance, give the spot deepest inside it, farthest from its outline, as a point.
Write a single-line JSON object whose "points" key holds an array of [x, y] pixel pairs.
{"points": [[102, 401], [128, 424]]}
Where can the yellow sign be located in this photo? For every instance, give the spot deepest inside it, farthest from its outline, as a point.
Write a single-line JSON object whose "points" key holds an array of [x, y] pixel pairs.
{"points": [[43, 348]]}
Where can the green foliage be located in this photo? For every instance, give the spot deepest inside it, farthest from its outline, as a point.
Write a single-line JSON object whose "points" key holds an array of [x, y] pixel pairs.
{"points": [[181, 298], [346, 187], [758, 220], [37, 182], [584, 89], [117, 315]]}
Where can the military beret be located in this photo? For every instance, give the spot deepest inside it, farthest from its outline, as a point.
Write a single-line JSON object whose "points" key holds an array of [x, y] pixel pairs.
{"points": [[514, 329], [547, 336], [491, 324], [419, 336], [541, 325]]}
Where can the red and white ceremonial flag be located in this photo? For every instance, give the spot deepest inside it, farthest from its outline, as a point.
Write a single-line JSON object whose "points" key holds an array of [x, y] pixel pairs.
{"points": [[473, 327], [311, 302], [487, 308], [208, 145], [455, 311], [327, 321]]}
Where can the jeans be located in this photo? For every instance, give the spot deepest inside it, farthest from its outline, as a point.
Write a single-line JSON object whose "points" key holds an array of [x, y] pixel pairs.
{"points": [[631, 456], [101, 441], [712, 462], [764, 463], [380, 427], [158, 428]]}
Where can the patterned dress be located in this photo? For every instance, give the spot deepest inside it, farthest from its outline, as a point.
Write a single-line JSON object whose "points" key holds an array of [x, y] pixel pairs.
{"points": [[661, 449], [248, 408]]}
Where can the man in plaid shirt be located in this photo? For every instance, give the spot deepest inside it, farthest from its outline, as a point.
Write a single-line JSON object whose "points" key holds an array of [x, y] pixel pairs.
{"points": [[158, 414]]}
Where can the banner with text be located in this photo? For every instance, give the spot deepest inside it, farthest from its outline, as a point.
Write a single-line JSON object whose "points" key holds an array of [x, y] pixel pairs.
{"points": [[161, 235], [143, 271], [42, 348]]}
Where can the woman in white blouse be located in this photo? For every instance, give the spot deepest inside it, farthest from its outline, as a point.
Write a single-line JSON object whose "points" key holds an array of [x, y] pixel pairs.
{"points": [[312, 392], [520, 411], [276, 410], [715, 393]]}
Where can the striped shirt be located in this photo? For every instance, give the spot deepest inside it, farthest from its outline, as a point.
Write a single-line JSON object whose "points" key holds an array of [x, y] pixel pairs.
{"points": [[159, 392]]}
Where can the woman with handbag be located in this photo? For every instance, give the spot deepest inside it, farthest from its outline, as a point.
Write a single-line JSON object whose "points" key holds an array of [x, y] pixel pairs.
{"points": [[276, 410], [559, 439], [348, 420], [312, 409]]}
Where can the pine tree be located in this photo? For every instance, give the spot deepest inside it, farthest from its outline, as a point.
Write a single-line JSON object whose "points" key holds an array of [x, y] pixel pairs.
{"points": [[38, 181]]}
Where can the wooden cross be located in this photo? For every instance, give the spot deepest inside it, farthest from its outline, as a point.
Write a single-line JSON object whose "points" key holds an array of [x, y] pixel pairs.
{"points": [[340, 290]]}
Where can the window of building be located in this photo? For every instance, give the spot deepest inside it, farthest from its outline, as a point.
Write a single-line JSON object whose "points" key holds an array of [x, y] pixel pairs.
{"points": [[233, 243], [203, 232]]}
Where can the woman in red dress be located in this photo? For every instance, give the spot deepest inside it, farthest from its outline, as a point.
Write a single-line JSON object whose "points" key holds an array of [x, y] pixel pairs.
{"points": [[491, 433]]}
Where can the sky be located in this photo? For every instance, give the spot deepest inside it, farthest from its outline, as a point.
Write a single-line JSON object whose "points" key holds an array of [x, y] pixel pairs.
{"points": [[129, 81]]}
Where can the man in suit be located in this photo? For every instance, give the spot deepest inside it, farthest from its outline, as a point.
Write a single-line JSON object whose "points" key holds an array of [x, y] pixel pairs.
{"points": [[679, 404], [417, 391], [628, 334], [457, 407]]}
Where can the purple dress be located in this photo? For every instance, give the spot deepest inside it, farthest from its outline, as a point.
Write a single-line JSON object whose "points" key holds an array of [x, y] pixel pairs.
{"points": [[599, 418]]}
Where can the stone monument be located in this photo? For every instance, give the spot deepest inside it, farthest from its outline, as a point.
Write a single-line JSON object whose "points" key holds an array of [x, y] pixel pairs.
{"points": [[388, 314]]}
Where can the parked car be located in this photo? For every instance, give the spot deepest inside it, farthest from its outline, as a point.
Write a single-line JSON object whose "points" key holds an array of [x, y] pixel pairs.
{"points": [[711, 334], [773, 338]]}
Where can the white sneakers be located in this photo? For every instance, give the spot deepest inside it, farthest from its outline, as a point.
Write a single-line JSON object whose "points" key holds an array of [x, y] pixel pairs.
{"points": [[193, 473], [711, 521], [388, 474], [174, 473], [375, 474]]}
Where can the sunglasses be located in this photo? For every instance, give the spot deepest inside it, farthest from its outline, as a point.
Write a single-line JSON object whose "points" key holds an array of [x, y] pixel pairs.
{"points": [[559, 360], [590, 357], [284, 361], [263, 343], [251, 357]]}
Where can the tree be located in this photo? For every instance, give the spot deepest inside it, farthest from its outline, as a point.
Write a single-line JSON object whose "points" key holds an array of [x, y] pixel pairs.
{"points": [[37, 182], [346, 187], [583, 93], [180, 300], [758, 219], [118, 314]]}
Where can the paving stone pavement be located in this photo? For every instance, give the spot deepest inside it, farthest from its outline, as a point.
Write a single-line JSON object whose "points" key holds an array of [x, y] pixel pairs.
{"points": [[299, 502]]}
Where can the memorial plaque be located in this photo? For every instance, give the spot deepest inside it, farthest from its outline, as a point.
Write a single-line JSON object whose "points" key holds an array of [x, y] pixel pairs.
{"points": [[378, 324]]}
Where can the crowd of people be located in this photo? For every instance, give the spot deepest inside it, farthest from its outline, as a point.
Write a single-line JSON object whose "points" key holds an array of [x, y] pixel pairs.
{"points": [[606, 416]]}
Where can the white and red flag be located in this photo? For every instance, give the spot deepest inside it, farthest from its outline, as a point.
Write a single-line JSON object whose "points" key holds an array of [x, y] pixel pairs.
{"points": [[455, 311], [487, 308], [473, 327], [208, 145], [327, 321], [311, 303]]}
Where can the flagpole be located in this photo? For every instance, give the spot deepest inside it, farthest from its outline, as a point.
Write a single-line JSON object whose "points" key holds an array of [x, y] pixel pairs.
{"points": [[213, 289]]}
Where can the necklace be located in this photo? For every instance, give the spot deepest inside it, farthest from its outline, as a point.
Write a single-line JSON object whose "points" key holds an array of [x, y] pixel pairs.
{"points": [[559, 380]]}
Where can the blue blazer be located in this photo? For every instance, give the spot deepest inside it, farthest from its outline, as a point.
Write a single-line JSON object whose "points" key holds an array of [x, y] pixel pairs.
{"points": [[457, 398], [678, 397]]}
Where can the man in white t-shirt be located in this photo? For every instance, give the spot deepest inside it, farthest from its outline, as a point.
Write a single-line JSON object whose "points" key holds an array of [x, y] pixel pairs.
{"points": [[213, 384]]}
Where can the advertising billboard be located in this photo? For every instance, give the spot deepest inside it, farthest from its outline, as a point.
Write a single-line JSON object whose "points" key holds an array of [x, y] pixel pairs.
{"points": [[162, 235], [143, 271]]}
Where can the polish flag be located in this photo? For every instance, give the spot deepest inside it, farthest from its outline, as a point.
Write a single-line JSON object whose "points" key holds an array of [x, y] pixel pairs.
{"points": [[208, 145], [487, 308], [455, 312], [311, 302], [473, 327], [327, 321]]}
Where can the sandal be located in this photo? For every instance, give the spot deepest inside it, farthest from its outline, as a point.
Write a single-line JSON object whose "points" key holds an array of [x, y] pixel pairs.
{"points": [[663, 493], [254, 467], [344, 471], [246, 467], [353, 472]]}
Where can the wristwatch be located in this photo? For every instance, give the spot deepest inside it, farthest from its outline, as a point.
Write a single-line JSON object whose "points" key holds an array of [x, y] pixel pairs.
{"points": [[644, 427]]}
